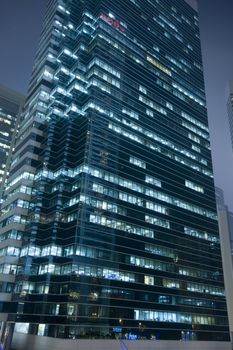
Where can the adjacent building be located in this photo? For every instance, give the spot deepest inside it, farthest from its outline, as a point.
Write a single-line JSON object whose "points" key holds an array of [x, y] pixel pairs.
{"points": [[226, 235], [10, 104], [230, 108], [109, 216]]}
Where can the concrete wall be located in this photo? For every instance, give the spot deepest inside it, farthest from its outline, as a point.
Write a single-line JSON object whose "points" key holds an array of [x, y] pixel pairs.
{"points": [[31, 342]]}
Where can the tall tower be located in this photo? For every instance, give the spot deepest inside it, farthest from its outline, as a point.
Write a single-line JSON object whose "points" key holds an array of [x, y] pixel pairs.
{"points": [[110, 200]]}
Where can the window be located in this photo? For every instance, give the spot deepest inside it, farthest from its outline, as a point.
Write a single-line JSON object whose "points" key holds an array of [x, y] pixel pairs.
{"points": [[149, 280], [152, 180], [130, 113], [159, 250], [156, 207], [158, 65], [195, 148], [171, 283], [157, 221], [152, 104], [194, 186], [142, 89], [169, 105], [149, 112], [138, 162], [121, 225], [201, 234]]}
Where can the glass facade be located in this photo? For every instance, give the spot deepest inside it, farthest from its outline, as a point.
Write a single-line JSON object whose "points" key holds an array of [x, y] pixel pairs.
{"points": [[109, 219]]}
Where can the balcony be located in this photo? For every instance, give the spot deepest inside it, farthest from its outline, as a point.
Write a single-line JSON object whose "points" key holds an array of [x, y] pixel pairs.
{"points": [[60, 93], [74, 111], [67, 57]]}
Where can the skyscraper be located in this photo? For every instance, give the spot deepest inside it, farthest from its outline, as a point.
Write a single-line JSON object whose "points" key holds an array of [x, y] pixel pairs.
{"points": [[110, 204], [10, 104]]}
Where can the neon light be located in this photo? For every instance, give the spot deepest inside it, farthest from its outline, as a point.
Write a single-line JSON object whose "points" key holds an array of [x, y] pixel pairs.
{"points": [[115, 23]]}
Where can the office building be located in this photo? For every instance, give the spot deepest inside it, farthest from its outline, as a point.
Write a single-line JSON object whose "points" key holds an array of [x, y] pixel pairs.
{"points": [[109, 211], [10, 103]]}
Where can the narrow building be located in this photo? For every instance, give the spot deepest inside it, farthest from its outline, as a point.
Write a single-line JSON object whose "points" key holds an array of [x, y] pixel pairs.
{"points": [[10, 105]]}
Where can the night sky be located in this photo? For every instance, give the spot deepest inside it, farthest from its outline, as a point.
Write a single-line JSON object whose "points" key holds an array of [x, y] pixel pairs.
{"points": [[216, 27], [20, 26]]}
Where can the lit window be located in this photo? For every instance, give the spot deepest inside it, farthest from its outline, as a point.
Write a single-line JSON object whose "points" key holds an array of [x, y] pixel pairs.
{"points": [[142, 89], [138, 162], [194, 186], [158, 65], [149, 280], [153, 181], [169, 105], [149, 112], [22, 327], [131, 113], [157, 221], [195, 148]]}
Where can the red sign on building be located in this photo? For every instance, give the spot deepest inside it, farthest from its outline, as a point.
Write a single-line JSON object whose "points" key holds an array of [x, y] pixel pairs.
{"points": [[115, 23]]}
